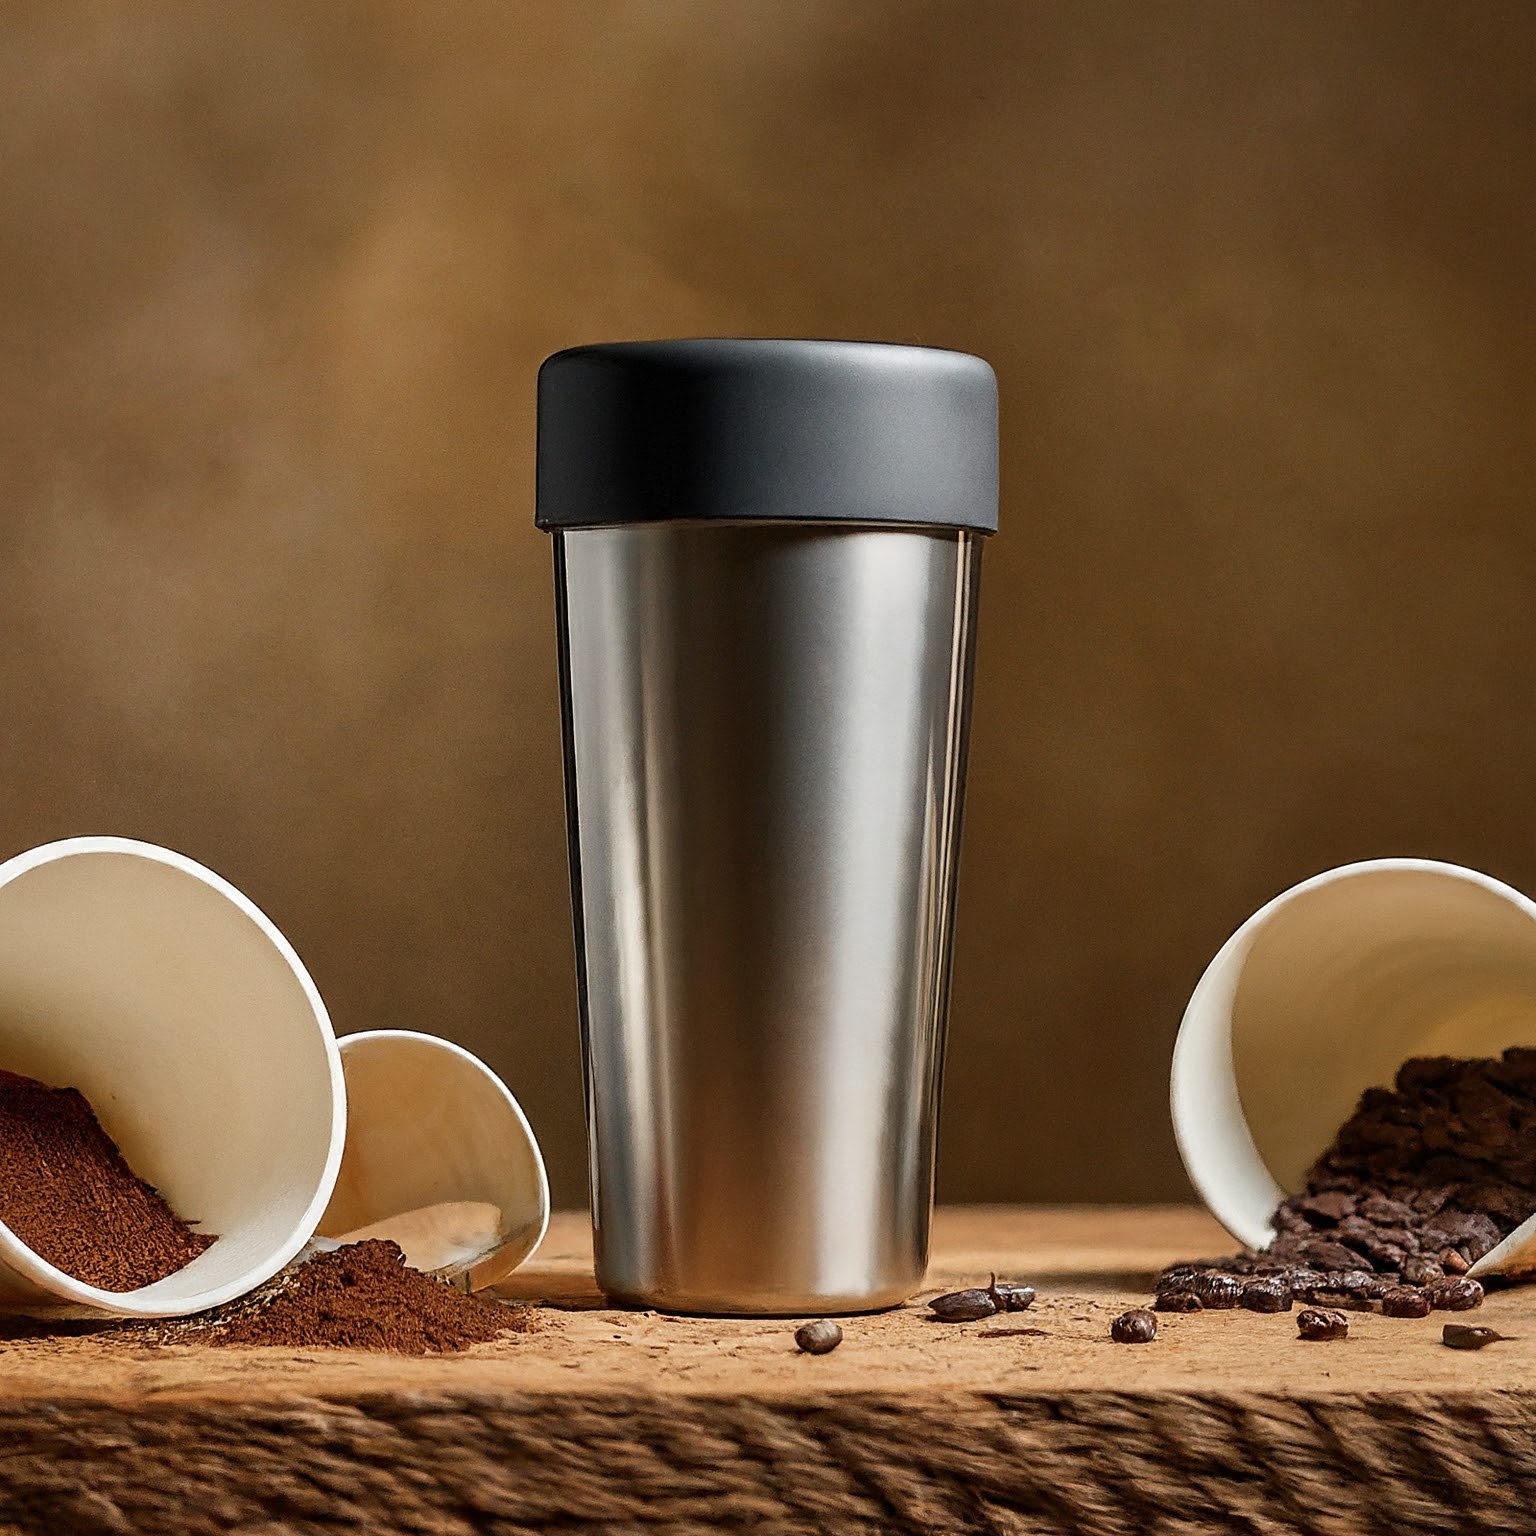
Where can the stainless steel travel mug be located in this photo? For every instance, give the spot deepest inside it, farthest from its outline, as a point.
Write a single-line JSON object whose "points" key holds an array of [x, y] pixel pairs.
{"points": [[766, 558]]}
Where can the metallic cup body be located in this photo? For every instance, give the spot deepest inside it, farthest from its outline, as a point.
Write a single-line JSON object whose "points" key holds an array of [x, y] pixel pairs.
{"points": [[765, 736]]}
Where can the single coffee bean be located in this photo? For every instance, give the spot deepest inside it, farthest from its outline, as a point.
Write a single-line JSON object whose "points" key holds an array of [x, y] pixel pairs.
{"points": [[1010, 1297], [1387, 1258], [1266, 1296], [1452, 1262], [1177, 1301], [1405, 1301], [1385, 1212], [1301, 1281], [1471, 1233], [964, 1306], [1326, 1209], [1326, 1255], [1322, 1323], [1356, 1284], [1420, 1271], [1135, 1327], [1217, 1292], [1459, 1336], [818, 1338], [1456, 1293]]}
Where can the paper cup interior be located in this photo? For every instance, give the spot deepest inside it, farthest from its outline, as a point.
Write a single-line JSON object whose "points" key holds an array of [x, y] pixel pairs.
{"points": [[427, 1123], [179, 1011], [1324, 993]]}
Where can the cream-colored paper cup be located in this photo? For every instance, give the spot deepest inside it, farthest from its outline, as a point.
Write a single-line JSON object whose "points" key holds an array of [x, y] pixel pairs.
{"points": [[1325, 992], [184, 1016], [430, 1125]]}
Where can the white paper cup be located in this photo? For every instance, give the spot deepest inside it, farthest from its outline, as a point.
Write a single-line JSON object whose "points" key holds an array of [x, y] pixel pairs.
{"points": [[188, 1022], [430, 1124], [1325, 992]]}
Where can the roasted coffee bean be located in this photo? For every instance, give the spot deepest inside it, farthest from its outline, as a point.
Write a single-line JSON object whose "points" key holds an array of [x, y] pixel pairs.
{"points": [[964, 1306], [1177, 1301], [1010, 1297], [1356, 1284], [1426, 1073], [1352, 1230], [1459, 1336], [1178, 1278], [818, 1338], [1266, 1296], [1420, 1271], [1454, 1294], [1299, 1278], [1509, 1206], [1217, 1291], [1384, 1212], [1326, 1209], [1135, 1327], [1405, 1301], [1322, 1323], [1453, 1263], [1326, 1255], [1462, 1230]]}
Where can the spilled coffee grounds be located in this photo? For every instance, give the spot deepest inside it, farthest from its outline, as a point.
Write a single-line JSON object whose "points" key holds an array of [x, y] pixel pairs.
{"points": [[67, 1193], [361, 1296], [1420, 1182]]}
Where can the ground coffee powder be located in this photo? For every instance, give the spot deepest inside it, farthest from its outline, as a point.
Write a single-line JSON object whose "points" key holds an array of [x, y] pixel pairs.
{"points": [[67, 1193], [361, 1296], [1420, 1182]]}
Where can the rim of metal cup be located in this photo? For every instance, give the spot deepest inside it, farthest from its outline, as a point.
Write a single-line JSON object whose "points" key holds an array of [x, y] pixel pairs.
{"points": [[71, 1291]]}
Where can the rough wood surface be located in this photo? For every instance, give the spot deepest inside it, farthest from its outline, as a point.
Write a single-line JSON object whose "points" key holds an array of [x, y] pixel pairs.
{"points": [[614, 1421]]}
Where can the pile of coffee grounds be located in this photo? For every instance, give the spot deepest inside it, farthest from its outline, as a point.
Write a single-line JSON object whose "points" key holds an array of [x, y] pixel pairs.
{"points": [[67, 1193], [1420, 1182], [361, 1296]]}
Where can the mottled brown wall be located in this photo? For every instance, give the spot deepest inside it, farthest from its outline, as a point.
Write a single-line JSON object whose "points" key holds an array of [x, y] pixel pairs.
{"points": [[1257, 281]]}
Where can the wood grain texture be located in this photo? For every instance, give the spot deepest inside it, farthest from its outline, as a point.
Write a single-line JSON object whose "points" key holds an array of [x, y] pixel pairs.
{"points": [[622, 1421]]}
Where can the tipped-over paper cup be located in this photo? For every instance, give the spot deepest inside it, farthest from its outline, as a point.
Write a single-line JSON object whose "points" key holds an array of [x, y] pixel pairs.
{"points": [[160, 992], [439, 1156], [1325, 992]]}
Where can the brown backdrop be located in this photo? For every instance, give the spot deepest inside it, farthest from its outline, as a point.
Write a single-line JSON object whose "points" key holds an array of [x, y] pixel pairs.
{"points": [[1257, 283]]}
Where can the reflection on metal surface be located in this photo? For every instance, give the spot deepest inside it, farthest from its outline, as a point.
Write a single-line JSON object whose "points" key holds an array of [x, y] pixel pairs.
{"points": [[765, 743]]}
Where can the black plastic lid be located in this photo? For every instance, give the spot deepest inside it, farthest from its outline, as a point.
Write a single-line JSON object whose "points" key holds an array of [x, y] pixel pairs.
{"points": [[813, 431]]}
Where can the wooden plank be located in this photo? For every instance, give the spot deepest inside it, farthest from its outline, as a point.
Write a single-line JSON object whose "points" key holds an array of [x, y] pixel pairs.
{"points": [[633, 1421]]}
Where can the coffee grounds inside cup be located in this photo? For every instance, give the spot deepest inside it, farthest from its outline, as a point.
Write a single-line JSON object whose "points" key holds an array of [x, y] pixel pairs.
{"points": [[68, 1194], [1418, 1184], [361, 1296]]}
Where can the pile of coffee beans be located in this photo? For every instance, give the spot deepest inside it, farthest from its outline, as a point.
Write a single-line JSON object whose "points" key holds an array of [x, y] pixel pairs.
{"points": [[1420, 1182]]}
